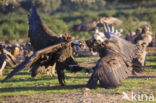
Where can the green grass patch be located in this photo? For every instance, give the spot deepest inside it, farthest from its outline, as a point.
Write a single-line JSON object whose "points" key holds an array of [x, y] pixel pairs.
{"points": [[23, 84]]}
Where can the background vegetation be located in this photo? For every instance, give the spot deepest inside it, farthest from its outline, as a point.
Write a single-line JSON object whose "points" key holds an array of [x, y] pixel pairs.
{"points": [[61, 15]]}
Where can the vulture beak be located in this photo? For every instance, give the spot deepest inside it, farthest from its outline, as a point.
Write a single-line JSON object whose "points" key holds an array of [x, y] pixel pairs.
{"points": [[32, 12]]}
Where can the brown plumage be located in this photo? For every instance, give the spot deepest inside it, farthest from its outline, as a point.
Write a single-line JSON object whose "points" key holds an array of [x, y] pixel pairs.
{"points": [[145, 37], [89, 26], [118, 60], [49, 49], [142, 38]]}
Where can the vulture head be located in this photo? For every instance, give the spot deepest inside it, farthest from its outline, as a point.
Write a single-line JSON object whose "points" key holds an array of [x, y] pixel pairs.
{"points": [[110, 41], [104, 37], [33, 16]]}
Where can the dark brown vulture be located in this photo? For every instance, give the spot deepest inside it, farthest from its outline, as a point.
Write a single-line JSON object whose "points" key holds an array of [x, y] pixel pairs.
{"points": [[118, 59], [89, 26], [50, 49], [142, 37], [143, 40]]}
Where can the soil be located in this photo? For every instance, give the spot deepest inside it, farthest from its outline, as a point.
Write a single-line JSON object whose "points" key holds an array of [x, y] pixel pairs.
{"points": [[85, 97], [80, 97]]}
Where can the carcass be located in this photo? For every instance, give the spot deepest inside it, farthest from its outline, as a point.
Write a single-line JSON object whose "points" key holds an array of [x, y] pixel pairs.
{"points": [[118, 59], [49, 50]]}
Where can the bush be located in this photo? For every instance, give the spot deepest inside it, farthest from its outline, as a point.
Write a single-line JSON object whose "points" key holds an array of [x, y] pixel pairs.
{"points": [[13, 28], [16, 27]]}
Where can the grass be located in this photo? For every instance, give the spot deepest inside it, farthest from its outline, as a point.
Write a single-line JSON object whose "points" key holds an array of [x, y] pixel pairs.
{"points": [[23, 84]]}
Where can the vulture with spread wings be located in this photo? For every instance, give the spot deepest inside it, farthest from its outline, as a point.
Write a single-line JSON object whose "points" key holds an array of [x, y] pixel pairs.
{"points": [[49, 49], [90, 25]]}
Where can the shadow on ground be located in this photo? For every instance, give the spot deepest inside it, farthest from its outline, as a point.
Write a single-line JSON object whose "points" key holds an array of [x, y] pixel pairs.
{"points": [[42, 88]]}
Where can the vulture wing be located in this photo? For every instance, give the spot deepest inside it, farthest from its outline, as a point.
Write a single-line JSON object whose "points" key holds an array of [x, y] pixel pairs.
{"points": [[40, 35], [89, 26], [35, 57], [49, 49], [110, 70]]}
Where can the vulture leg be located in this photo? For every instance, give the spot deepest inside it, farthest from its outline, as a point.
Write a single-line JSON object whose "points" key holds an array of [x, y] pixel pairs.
{"points": [[69, 64], [34, 70], [60, 73], [35, 57]]}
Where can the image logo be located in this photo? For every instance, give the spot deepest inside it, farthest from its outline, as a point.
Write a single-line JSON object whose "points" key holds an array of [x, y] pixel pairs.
{"points": [[137, 96]]}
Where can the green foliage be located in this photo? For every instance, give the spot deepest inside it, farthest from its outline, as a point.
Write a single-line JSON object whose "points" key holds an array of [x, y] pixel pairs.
{"points": [[13, 28], [47, 5], [55, 24]]}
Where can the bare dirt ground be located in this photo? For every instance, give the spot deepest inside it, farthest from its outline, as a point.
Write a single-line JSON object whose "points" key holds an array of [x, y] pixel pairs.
{"points": [[80, 97], [85, 97], [144, 75]]}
